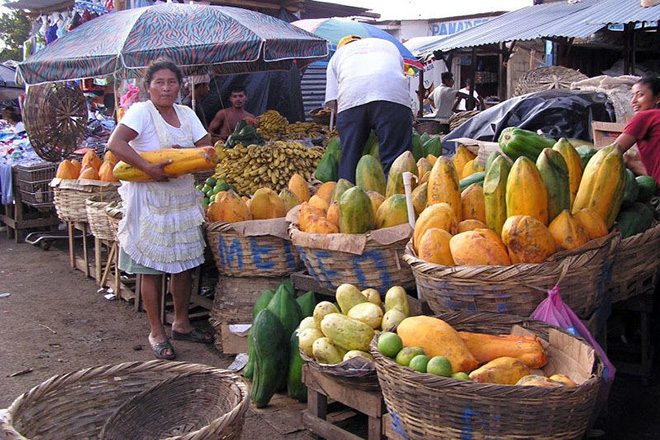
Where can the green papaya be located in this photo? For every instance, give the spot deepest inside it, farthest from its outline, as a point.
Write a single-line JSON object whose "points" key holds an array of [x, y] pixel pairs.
{"points": [[369, 175], [334, 148], [418, 149], [631, 191], [516, 142], [340, 189], [261, 303], [285, 307], [433, 146], [586, 152], [647, 188], [271, 352], [634, 220], [491, 157], [356, 215], [328, 168], [294, 385], [477, 178], [554, 173], [307, 302]]}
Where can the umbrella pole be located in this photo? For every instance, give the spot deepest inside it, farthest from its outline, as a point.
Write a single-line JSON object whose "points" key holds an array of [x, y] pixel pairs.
{"points": [[332, 118], [193, 96]]}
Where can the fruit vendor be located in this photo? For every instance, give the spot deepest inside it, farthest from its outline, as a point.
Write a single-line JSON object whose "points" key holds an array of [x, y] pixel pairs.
{"points": [[367, 87], [225, 121], [161, 228], [644, 127]]}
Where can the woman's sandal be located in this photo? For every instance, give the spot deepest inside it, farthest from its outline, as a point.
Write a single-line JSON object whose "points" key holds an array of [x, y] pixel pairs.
{"points": [[159, 349], [195, 335]]}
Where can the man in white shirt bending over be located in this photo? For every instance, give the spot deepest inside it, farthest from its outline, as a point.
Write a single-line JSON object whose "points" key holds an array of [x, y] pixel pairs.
{"points": [[461, 107], [367, 84]]}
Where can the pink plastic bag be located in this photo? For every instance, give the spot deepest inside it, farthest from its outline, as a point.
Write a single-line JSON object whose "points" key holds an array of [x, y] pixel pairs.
{"points": [[554, 311]]}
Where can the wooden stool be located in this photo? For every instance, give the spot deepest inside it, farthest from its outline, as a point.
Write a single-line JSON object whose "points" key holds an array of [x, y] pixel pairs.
{"points": [[320, 388]]}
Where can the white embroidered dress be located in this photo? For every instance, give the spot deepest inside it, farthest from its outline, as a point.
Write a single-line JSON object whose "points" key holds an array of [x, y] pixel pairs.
{"points": [[161, 228]]}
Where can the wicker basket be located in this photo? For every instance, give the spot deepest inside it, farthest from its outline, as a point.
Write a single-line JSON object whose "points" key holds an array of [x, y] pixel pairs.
{"points": [[244, 249], [235, 297], [518, 289], [55, 117], [320, 115], [33, 184], [114, 212], [635, 271], [435, 407], [546, 78], [371, 260], [428, 127], [76, 406], [358, 373], [99, 222], [457, 119], [70, 196]]}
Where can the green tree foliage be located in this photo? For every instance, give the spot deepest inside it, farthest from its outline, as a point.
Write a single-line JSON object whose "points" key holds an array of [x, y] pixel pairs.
{"points": [[14, 30]]}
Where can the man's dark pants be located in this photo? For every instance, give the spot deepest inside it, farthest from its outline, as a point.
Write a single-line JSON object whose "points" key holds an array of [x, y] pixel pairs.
{"points": [[391, 122]]}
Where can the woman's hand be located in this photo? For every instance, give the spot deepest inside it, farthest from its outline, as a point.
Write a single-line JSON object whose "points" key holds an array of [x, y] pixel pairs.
{"points": [[157, 171]]}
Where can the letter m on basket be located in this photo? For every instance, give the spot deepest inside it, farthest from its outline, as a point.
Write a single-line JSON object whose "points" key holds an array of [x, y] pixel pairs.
{"points": [[230, 252]]}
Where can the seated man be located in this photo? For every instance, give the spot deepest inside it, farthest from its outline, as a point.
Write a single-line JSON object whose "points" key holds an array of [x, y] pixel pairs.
{"points": [[225, 121]]}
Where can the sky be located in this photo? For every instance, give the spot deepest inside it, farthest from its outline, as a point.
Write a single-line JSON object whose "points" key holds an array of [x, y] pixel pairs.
{"points": [[426, 9]]}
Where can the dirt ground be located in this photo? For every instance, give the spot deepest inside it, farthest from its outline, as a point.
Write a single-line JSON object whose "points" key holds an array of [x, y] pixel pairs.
{"points": [[55, 322]]}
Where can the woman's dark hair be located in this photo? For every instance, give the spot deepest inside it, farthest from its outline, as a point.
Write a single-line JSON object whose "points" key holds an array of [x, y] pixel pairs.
{"points": [[652, 82], [12, 114], [160, 64]]}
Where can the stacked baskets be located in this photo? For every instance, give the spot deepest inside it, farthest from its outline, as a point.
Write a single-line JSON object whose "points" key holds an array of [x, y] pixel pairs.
{"points": [[33, 184], [147, 400], [71, 196]]}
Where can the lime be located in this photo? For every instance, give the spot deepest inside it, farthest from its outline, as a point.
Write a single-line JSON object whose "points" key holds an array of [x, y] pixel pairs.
{"points": [[460, 375], [205, 204], [211, 181], [212, 198], [419, 363], [224, 186], [405, 356], [389, 344], [440, 366], [207, 189], [200, 186]]}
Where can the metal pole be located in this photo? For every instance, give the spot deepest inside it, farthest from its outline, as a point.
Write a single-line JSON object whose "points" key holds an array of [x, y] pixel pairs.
{"points": [[420, 93]]}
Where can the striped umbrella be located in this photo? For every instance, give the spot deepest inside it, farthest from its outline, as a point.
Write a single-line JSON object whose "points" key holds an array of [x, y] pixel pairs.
{"points": [[334, 29], [230, 40]]}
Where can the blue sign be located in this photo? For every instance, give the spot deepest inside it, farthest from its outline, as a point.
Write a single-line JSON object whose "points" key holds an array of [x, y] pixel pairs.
{"points": [[455, 26]]}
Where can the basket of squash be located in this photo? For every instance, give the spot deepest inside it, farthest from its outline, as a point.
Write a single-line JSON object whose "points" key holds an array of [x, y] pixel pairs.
{"points": [[75, 182], [517, 229], [357, 234], [248, 236], [486, 375]]}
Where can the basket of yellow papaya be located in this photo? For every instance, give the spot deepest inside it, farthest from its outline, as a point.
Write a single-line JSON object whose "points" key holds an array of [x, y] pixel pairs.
{"points": [[486, 375], [357, 234], [637, 260], [504, 240], [335, 339]]}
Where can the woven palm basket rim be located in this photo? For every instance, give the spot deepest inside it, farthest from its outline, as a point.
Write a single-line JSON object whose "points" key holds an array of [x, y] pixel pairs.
{"points": [[546, 78], [117, 375], [637, 258], [533, 278], [100, 223], [129, 417], [398, 382], [402, 276], [457, 119], [365, 379], [280, 267], [70, 202]]}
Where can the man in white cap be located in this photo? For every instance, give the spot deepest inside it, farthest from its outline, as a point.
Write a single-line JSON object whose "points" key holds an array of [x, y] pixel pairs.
{"points": [[201, 85]]}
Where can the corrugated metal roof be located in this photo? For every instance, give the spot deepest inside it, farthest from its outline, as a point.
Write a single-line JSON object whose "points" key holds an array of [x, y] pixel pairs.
{"points": [[312, 86], [559, 19], [622, 12]]}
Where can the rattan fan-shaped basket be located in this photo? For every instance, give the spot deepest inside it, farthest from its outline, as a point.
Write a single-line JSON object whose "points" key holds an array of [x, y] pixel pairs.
{"points": [[546, 78], [55, 118]]}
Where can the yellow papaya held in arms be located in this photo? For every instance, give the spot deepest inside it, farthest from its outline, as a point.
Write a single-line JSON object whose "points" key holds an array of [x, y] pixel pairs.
{"points": [[184, 160]]}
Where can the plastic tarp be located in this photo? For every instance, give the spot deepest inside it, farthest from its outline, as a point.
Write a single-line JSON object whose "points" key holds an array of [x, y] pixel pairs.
{"points": [[554, 113]]}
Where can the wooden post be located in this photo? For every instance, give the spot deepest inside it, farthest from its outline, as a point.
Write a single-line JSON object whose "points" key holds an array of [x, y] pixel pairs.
{"points": [[626, 48], [97, 260], [420, 93], [471, 104], [72, 256]]}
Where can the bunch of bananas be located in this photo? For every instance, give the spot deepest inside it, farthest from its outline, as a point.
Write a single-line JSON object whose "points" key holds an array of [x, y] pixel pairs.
{"points": [[272, 125], [302, 130], [271, 165]]}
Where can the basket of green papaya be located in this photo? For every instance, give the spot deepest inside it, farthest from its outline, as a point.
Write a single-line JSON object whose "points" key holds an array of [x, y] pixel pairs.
{"points": [[486, 375], [635, 271], [335, 339]]}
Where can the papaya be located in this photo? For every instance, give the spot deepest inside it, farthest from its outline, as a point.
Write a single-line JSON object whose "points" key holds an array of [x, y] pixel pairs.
{"points": [[527, 239], [105, 173], [592, 223], [356, 215], [573, 163], [298, 186], [440, 215], [602, 186], [340, 188], [377, 199], [477, 178], [325, 191], [261, 303], [229, 209], [78, 166], [491, 158], [369, 175], [295, 387], [485, 348], [289, 199], [110, 158], [648, 187], [468, 169], [392, 212], [504, 370], [423, 166], [266, 204], [328, 168], [306, 214], [437, 338], [332, 215], [567, 231], [434, 247], [419, 195], [495, 194], [473, 204], [554, 173], [404, 163], [443, 186], [461, 157], [285, 307], [183, 161], [66, 170], [525, 191], [431, 158], [318, 203], [631, 191], [91, 159], [89, 173], [424, 178], [271, 350], [481, 247], [470, 225]]}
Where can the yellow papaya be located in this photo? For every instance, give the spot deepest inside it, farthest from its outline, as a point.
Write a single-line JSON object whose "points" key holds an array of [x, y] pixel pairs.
{"points": [[369, 174], [573, 163], [440, 215], [444, 187], [525, 191], [481, 247], [567, 231], [419, 195], [527, 239], [473, 204], [434, 247], [405, 162], [461, 157], [495, 193], [392, 212]]}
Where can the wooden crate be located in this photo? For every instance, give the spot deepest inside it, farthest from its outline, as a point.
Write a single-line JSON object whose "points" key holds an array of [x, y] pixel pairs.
{"points": [[605, 133], [317, 417]]}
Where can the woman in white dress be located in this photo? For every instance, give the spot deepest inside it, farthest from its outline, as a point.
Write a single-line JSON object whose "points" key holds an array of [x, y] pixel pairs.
{"points": [[161, 229]]}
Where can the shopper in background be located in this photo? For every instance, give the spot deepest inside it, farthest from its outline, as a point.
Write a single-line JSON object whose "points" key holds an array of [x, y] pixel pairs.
{"points": [[200, 84], [446, 98], [367, 87], [161, 229], [12, 115], [644, 127], [461, 107]]}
